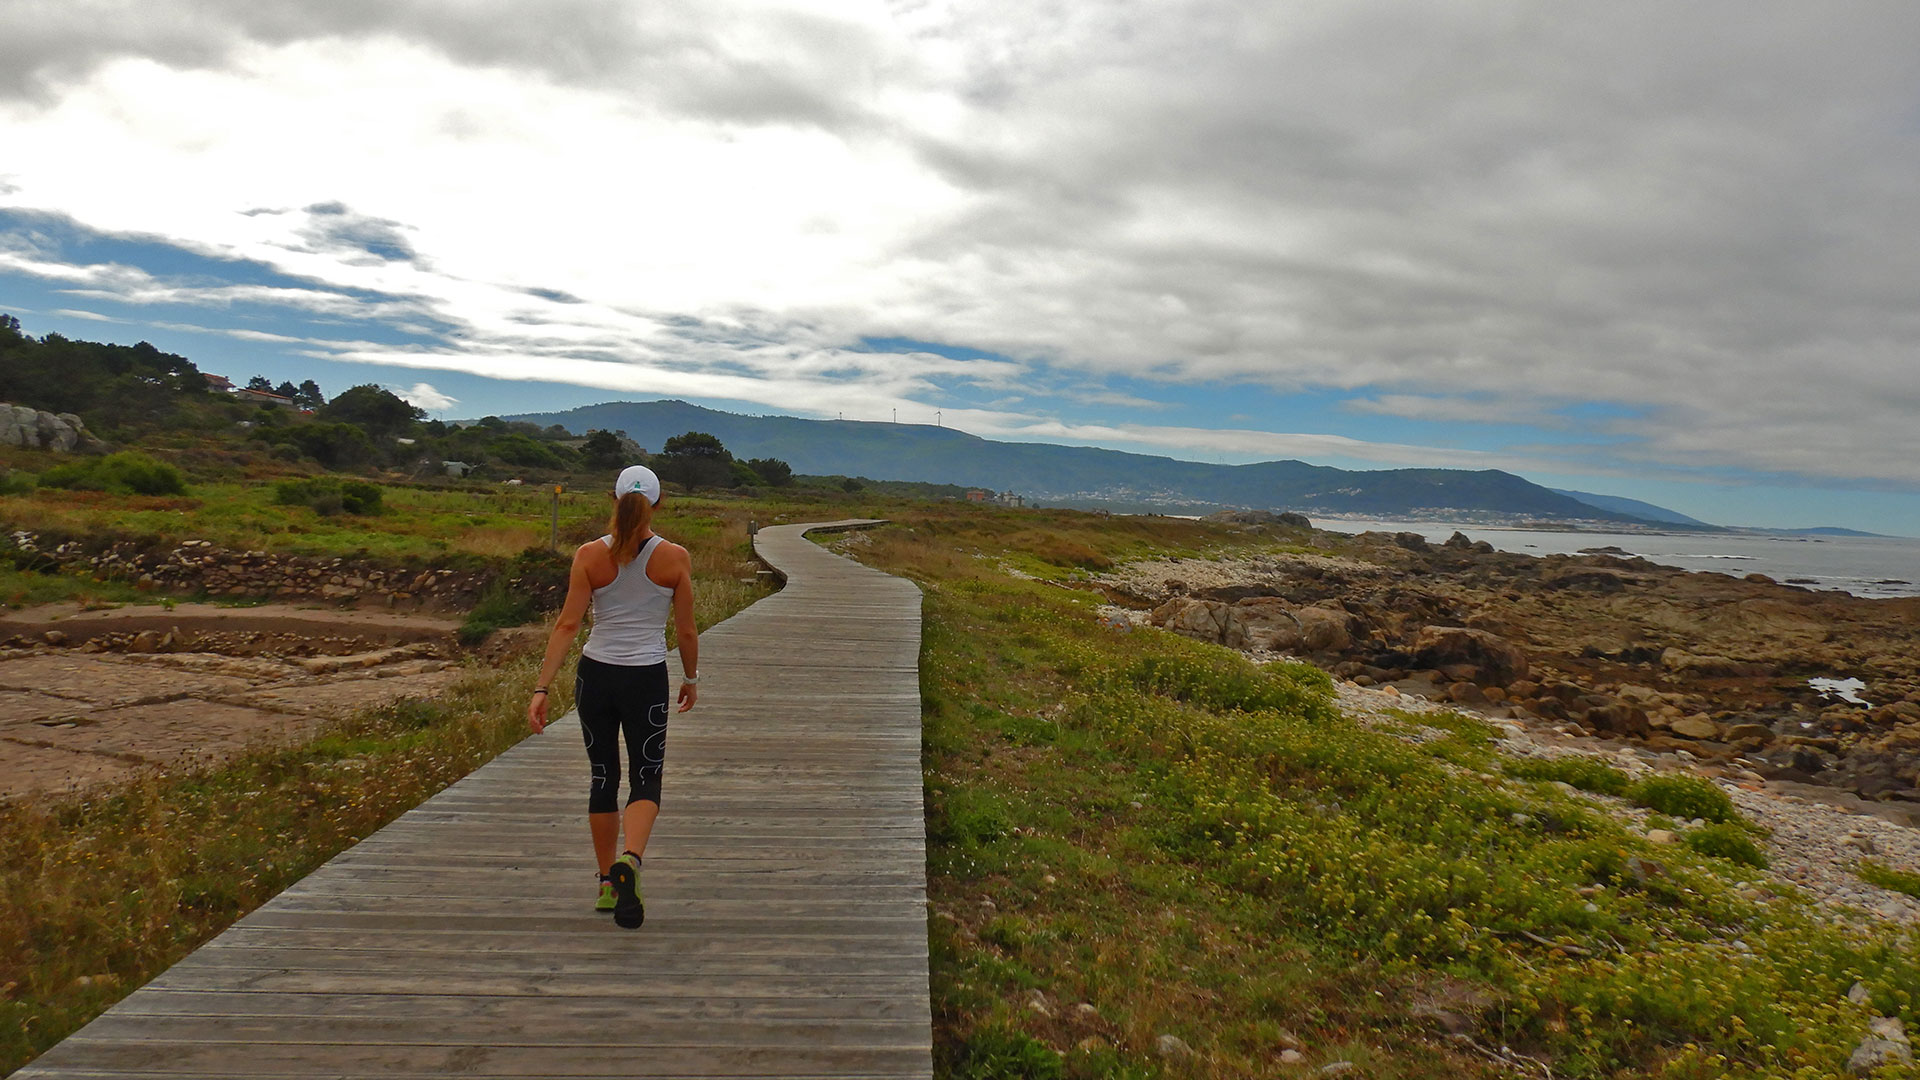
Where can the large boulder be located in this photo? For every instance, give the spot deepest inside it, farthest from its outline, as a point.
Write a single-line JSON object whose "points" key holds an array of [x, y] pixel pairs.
{"points": [[1497, 661], [1264, 622], [1267, 623], [26, 426], [1203, 619], [1618, 718], [55, 433], [33, 429]]}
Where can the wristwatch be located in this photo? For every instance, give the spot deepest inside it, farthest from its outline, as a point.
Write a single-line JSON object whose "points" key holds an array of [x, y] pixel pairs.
{"points": [[690, 680]]}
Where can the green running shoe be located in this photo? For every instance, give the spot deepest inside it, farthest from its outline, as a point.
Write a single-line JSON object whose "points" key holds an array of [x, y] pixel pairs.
{"points": [[607, 897], [629, 907]]}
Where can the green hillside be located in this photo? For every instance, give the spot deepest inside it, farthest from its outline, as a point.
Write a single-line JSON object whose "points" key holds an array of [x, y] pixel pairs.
{"points": [[1083, 476]]}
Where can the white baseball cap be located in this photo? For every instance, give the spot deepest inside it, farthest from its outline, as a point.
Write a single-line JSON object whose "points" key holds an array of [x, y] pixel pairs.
{"points": [[638, 478]]}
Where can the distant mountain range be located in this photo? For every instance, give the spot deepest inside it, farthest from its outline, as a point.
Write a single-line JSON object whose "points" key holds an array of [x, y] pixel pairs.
{"points": [[1096, 478], [1645, 511]]}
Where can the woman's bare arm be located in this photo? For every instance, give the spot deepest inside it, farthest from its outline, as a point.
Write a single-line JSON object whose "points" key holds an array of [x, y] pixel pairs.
{"points": [[565, 629]]}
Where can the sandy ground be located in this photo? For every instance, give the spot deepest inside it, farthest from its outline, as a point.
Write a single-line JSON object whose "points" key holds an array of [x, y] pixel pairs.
{"points": [[98, 707]]}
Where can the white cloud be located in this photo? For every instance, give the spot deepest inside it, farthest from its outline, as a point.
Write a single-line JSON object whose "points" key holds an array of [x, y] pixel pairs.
{"points": [[426, 397], [1460, 212]]}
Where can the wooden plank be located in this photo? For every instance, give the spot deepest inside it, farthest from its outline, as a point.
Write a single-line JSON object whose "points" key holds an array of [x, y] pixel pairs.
{"points": [[786, 930]]}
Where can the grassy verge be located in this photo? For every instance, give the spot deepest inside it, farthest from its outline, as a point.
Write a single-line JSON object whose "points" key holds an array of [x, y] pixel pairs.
{"points": [[24, 588], [102, 893], [1199, 848]]}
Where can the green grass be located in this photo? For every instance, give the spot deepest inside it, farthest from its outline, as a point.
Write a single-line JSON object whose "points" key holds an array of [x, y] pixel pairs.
{"points": [[1683, 797], [102, 892], [25, 588], [1874, 872], [1727, 841], [1585, 773], [1201, 847]]}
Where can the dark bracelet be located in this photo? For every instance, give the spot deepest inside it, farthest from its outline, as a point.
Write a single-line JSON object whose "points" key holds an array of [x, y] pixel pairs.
{"points": [[539, 689]]}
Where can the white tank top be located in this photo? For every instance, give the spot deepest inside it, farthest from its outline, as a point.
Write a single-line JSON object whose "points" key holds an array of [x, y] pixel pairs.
{"points": [[630, 614]]}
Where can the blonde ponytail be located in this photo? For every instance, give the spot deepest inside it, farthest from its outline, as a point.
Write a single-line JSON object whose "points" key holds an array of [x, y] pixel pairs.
{"points": [[632, 517]]}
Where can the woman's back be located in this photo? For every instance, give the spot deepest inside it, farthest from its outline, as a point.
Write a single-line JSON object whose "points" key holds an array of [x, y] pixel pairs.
{"points": [[630, 614]]}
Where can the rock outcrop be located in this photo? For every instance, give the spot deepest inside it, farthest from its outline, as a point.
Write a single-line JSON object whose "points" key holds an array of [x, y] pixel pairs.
{"points": [[1261, 623], [1714, 665], [1492, 659], [37, 430]]}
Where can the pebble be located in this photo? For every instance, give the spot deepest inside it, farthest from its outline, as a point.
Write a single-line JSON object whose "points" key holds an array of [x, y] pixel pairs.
{"points": [[1291, 1057], [1172, 1047]]}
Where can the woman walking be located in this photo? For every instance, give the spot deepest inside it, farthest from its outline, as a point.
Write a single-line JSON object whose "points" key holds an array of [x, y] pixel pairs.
{"points": [[631, 578]]}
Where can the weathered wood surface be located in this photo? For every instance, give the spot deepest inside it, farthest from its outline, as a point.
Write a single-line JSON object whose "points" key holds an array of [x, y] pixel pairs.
{"points": [[786, 894]]}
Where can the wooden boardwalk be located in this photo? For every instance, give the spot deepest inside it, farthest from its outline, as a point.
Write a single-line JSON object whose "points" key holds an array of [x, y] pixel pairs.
{"points": [[786, 894]]}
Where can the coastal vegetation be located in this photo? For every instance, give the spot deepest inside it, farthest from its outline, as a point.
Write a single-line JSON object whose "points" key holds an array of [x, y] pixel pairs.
{"points": [[1195, 846], [103, 890], [1147, 854]]}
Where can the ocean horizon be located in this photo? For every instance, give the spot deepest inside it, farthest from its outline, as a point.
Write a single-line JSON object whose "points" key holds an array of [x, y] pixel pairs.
{"points": [[1878, 567]]}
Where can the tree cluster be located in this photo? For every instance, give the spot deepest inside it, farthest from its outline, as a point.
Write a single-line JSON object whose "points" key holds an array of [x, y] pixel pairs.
{"points": [[307, 395], [113, 387], [127, 391], [697, 459]]}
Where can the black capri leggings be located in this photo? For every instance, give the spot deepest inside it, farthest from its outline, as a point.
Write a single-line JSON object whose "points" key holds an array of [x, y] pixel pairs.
{"points": [[613, 698]]}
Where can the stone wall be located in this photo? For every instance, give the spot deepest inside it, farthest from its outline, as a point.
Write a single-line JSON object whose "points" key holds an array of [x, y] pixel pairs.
{"points": [[36, 430], [199, 566]]}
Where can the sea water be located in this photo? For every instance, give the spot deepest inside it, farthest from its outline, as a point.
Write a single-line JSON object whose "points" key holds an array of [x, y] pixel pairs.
{"points": [[1870, 566]]}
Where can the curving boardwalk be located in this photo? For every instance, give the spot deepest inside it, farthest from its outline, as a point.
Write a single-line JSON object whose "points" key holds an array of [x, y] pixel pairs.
{"points": [[786, 894]]}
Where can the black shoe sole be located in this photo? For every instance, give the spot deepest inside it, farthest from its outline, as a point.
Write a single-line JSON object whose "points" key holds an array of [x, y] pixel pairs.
{"points": [[628, 911]]}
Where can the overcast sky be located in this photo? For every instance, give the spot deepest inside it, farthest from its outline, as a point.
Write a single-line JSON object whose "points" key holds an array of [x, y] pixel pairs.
{"points": [[1649, 249]]}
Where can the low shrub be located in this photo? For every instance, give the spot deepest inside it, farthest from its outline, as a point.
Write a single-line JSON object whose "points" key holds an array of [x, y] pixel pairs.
{"points": [[125, 473], [1683, 797], [1729, 841], [1874, 872], [328, 495], [499, 606], [1221, 680], [1585, 773], [15, 483]]}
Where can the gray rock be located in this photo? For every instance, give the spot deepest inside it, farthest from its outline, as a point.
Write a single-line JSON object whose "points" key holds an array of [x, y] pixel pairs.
{"points": [[1335, 1068], [1291, 1057], [26, 427], [55, 434], [1875, 1053], [1858, 995], [1172, 1047]]}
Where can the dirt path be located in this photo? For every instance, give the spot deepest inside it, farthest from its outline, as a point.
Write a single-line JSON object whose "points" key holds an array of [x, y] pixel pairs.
{"points": [[90, 697]]}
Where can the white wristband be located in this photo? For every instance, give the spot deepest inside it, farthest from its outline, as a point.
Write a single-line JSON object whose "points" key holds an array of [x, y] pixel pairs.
{"points": [[690, 680]]}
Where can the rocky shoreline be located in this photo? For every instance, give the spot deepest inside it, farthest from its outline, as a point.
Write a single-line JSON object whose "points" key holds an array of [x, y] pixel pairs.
{"points": [[1650, 666]]}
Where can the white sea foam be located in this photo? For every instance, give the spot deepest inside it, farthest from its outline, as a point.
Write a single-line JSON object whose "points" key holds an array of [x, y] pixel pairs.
{"points": [[1847, 690]]}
